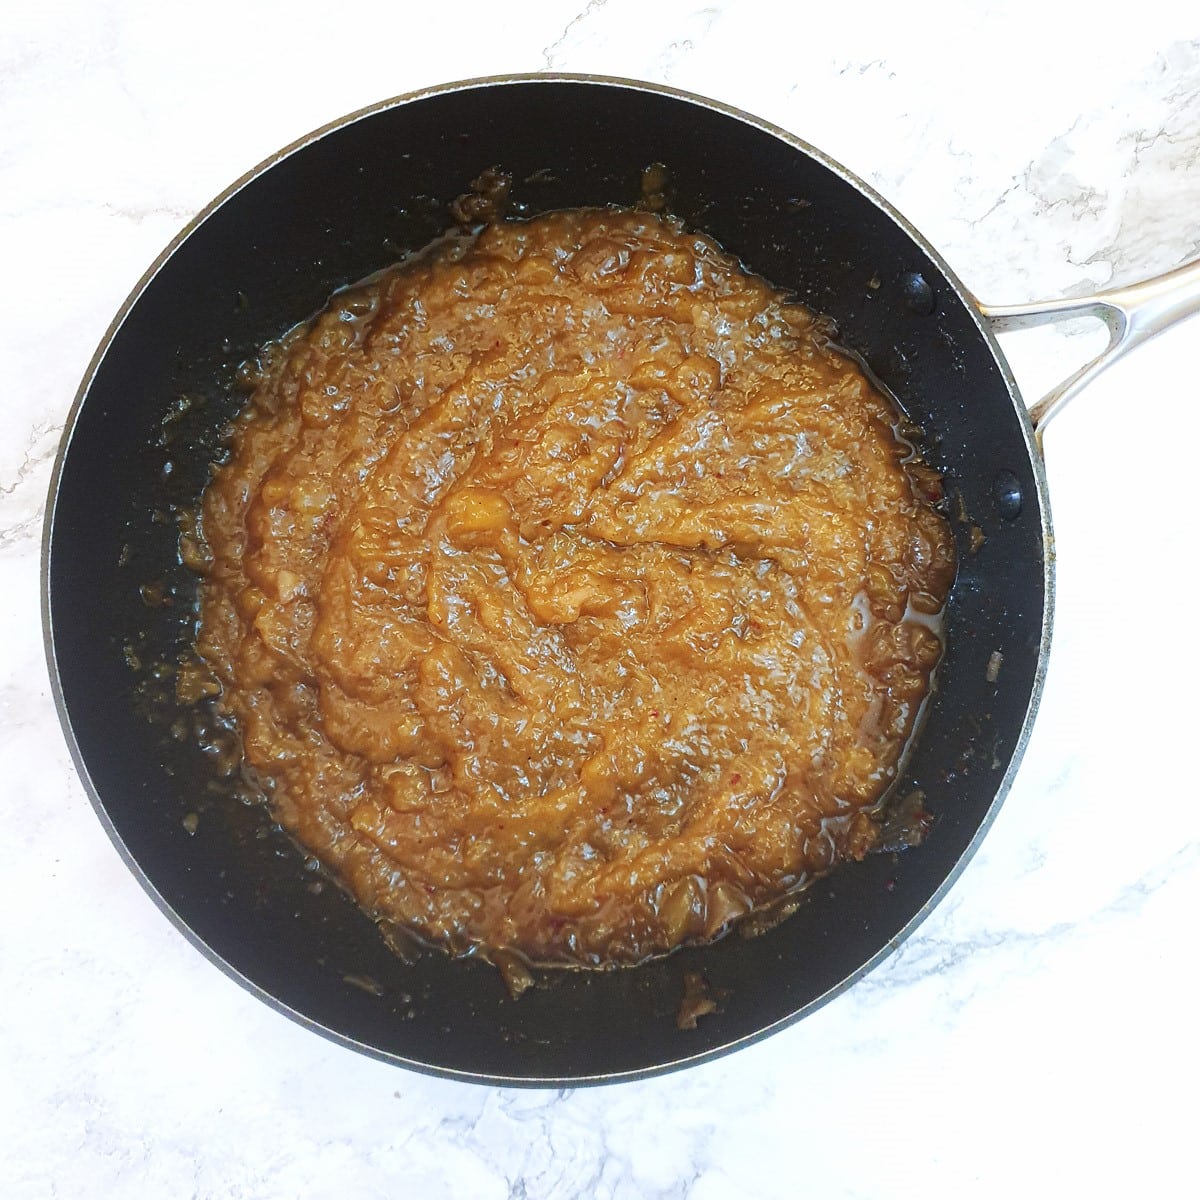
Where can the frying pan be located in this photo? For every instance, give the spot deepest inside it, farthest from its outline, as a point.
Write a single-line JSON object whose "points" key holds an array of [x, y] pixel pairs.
{"points": [[146, 426]]}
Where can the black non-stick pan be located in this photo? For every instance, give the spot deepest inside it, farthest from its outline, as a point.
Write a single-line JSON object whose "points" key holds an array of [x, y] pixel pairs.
{"points": [[146, 427]]}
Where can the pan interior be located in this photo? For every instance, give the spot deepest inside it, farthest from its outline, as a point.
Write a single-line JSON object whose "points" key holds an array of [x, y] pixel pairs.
{"points": [[148, 426]]}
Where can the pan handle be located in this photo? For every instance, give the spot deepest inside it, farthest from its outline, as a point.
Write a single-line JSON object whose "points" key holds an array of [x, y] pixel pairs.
{"points": [[1133, 314]]}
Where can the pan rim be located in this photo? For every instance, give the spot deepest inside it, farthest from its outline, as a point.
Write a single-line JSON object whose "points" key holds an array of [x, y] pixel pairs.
{"points": [[1036, 461]]}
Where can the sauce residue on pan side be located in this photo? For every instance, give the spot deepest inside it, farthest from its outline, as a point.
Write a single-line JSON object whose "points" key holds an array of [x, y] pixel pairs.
{"points": [[573, 597]]}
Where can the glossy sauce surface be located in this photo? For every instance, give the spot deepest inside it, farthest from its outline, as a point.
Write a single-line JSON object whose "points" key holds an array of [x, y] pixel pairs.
{"points": [[572, 596]]}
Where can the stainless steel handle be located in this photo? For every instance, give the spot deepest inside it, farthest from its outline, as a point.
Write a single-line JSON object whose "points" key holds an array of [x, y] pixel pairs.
{"points": [[1133, 314]]}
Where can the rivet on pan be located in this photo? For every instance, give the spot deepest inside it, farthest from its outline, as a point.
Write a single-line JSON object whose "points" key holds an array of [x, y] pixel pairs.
{"points": [[1006, 492], [918, 295]]}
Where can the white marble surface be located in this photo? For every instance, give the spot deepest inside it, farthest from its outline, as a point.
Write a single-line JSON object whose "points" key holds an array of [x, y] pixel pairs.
{"points": [[1038, 1035]]}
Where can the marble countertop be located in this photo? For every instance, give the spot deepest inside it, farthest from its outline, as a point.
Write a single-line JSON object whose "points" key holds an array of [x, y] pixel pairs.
{"points": [[1039, 1030]]}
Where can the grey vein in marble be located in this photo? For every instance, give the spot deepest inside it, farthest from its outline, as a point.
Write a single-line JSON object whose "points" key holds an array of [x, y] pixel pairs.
{"points": [[551, 53]]}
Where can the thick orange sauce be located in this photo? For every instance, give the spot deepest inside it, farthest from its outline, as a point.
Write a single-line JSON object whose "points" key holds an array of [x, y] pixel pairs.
{"points": [[571, 595]]}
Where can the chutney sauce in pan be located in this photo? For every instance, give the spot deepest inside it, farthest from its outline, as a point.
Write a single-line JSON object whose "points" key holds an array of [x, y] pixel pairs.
{"points": [[572, 596]]}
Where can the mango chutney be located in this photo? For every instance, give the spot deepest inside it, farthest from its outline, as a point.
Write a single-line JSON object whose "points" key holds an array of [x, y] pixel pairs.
{"points": [[572, 595]]}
